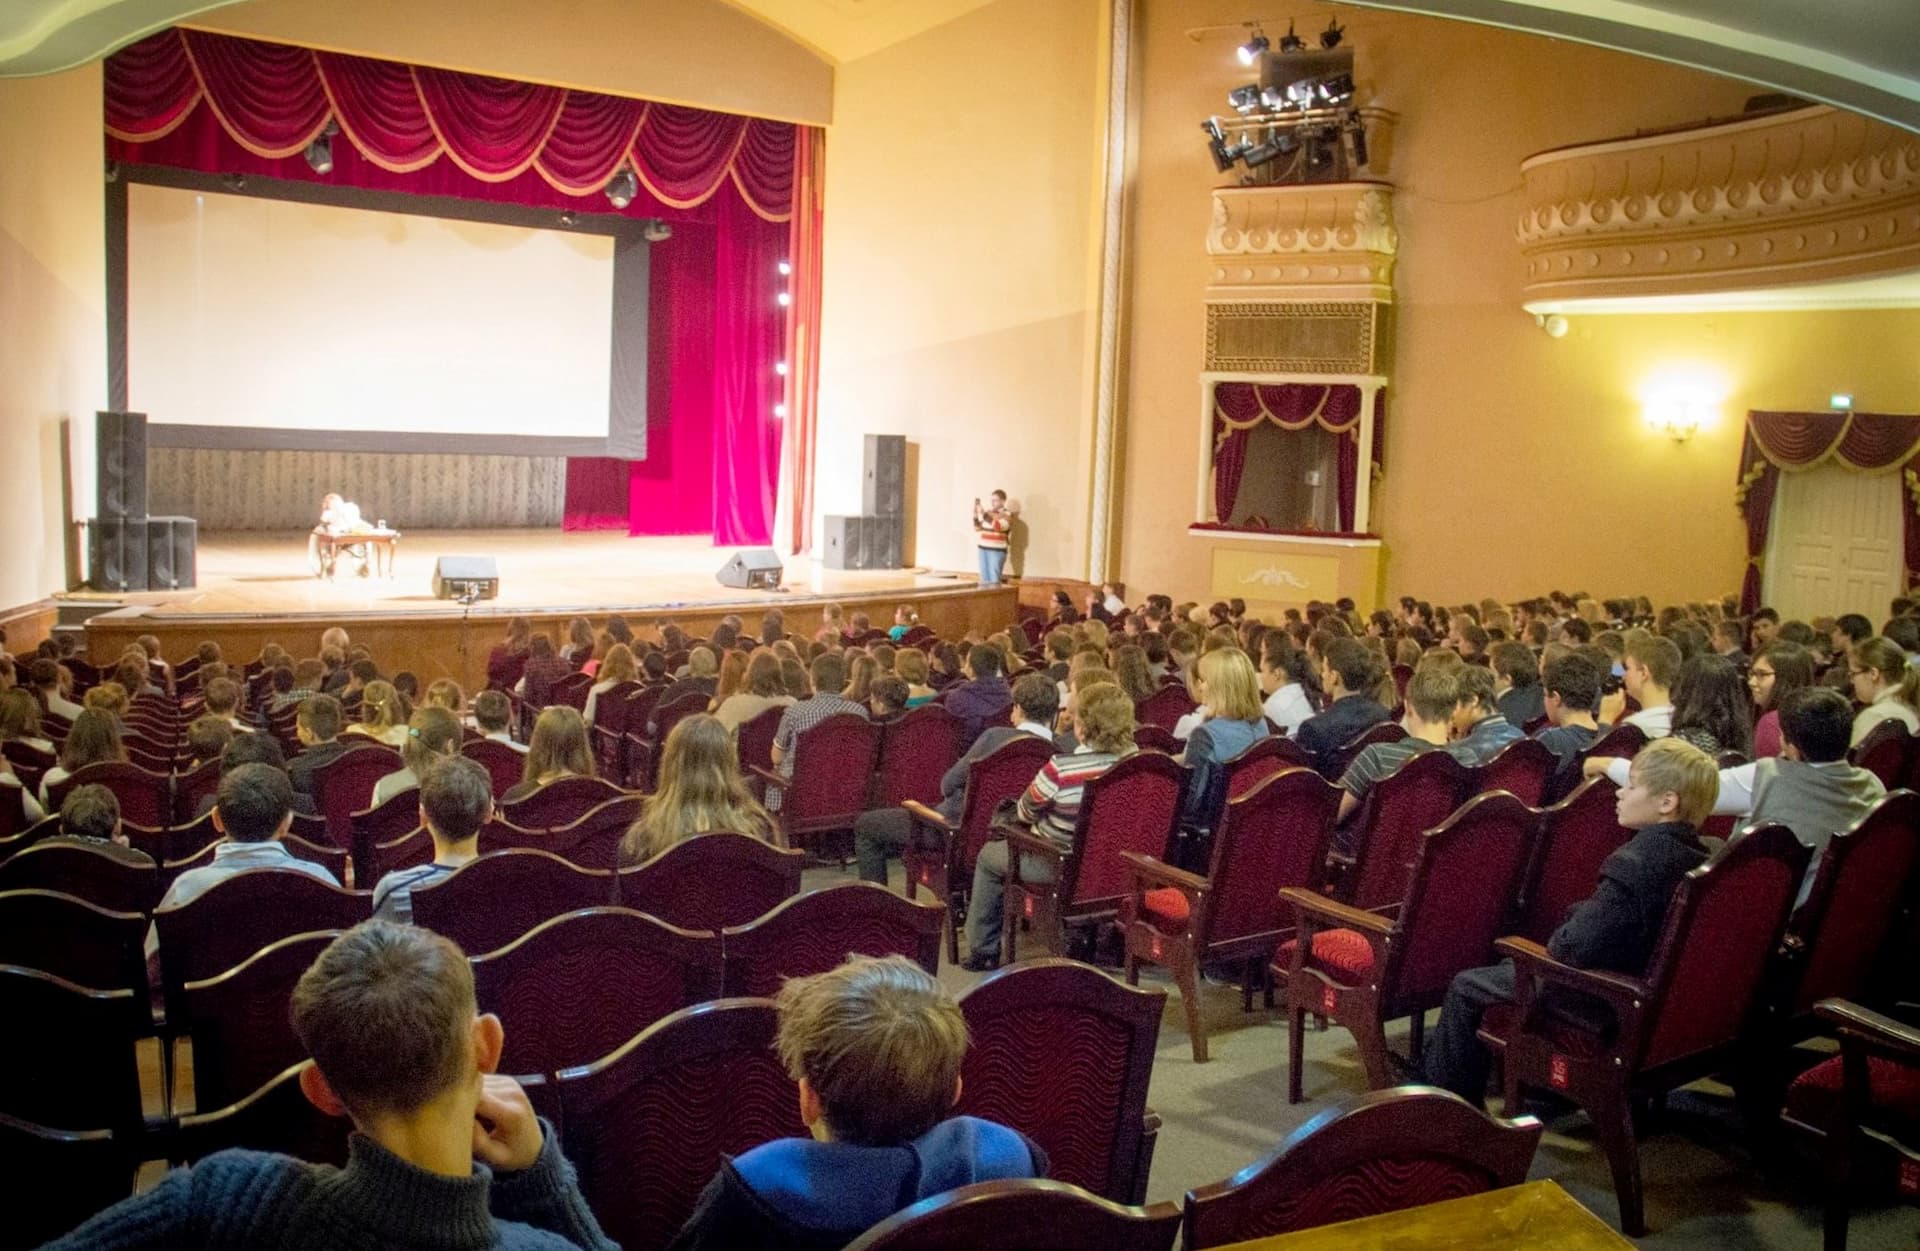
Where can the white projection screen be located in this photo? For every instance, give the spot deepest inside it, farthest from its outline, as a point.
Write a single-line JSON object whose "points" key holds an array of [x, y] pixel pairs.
{"points": [[268, 314]]}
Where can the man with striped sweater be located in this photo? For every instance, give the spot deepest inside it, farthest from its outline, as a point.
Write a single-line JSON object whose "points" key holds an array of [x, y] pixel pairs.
{"points": [[990, 527], [1103, 726]]}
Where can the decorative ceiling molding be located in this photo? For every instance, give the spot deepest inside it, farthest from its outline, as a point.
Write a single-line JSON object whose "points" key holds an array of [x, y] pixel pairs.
{"points": [[1810, 196], [1323, 241], [47, 36]]}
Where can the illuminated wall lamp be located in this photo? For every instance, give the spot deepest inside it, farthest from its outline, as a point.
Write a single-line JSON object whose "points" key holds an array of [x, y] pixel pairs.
{"points": [[1678, 419]]}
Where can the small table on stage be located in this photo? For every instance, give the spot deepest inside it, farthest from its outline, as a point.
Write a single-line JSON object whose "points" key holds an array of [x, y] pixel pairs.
{"points": [[380, 545]]}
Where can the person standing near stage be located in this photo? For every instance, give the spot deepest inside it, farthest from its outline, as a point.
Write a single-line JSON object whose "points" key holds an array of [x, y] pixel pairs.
{"points": [[990, 527]]}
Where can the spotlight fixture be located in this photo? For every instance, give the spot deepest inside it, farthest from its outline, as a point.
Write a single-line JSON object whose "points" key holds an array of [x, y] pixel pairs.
{"points": [[1330, 37], [320, 151], [569, 219], [1223, 156], [622, 187], [1245, 99], [1335, 90], [1291, 42], [1356, 134], [656, 231], [1260, 153], [1250, 50], [1300, 92]]}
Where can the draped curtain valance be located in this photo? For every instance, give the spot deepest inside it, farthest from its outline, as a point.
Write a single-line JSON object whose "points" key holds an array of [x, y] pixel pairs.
{"points": [[1336, 408], [1795, 442], [274, 99]]}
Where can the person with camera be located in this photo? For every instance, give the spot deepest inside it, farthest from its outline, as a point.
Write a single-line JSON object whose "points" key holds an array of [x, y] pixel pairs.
{"points": [[991, 526]]}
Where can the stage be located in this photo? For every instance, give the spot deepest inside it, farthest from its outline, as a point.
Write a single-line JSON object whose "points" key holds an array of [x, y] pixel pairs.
{"points": [[256, 587]]}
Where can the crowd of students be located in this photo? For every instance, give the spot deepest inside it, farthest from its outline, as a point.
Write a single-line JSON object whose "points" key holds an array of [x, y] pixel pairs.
{"points": [[1749, 717]]}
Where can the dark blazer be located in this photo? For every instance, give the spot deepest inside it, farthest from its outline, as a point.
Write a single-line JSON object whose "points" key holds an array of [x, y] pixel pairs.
{"points": [[300, 768], [1616, 927], [953, 784], [1327, 732], [1523, 704]]}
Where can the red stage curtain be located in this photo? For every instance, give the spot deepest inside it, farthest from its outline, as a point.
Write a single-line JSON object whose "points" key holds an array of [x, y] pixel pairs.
{"points": [[726, 184], [803, 334], [1240, 406], [1229, 463], [1864, 442]]}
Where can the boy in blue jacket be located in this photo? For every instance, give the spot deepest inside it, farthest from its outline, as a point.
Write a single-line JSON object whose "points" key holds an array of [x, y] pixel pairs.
{"points": [[876, 1047]]}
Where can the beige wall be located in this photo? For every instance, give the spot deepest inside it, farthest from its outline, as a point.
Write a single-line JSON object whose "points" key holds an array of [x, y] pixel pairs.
{"points": [[1515, 462], [700, 52], [960, 201], [53, 310]]}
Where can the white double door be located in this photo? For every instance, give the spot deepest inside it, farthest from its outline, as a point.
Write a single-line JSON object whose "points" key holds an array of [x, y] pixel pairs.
{"points": [[1836, 544]]}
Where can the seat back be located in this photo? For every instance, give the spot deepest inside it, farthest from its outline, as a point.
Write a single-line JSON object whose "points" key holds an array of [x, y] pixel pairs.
{"points": [[1410, 801], [1001, 775], [1378, 732], [560, 802], [66, 1056], [1164, 707], [1271, 837], [191, 789], [146, 796], [1133, 806], [13, 813], [110, 876], [700, 1084], [1381, 1152], [1623, 740], [1884, 752], [1574, 837], [1867, 875], [277, 1117], [412, 848], [487, 903], [668, 715], [832, 764], [72, 939], [753, 741], [1466, 872], [27, 762], [242, 1026], [1005, 1215], [344, 786], [570, 691], [1263, 758], [613, 708], [1521, 769], [1721, 931], [503, 764], [1063, 1053], [573, 989], [232, 919], [383, 823], [71, 1174], [711, 881], [593, 841], [916, 750], [818, 930], [1153, 738]]}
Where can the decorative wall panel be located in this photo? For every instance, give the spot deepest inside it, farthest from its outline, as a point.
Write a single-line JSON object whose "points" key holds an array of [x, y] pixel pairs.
{"points": [[280, 490]]}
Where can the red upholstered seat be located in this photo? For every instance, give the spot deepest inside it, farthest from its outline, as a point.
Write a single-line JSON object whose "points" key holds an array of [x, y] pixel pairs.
{"points": [[1815, 1095], [1340, 954], [1165, 908]]}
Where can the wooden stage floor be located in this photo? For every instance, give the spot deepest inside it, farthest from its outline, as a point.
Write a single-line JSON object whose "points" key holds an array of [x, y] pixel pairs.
{"points": [[540, 571]]}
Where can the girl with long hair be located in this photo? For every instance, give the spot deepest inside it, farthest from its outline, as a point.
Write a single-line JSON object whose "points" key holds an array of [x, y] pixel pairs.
{"points": [[1229, 688], [1886, 684], [862, 669], [558, 749], [508, 659], [700, 792], [910, 664], [383, 714], [1711, 709], [433, 734], [94, 739], [1778, 671], [618, 667], [762, 687]]}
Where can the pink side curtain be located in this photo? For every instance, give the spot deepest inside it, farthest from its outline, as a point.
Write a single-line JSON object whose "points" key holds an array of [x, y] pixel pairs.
{"points": [[1238, 407], [1791, 442], [725, 183]]}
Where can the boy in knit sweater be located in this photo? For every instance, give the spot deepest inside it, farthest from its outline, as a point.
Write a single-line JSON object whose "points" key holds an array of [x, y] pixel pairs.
{"points": [[447, 1155]]}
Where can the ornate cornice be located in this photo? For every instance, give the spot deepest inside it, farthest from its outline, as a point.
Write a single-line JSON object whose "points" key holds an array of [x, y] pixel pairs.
{"points": [[1327, 241], [1811, 195]]}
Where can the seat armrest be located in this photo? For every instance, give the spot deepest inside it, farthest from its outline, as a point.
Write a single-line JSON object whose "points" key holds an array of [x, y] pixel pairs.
{"points": [[1531, 960], [1149, 871], [1883, 1030], [768, 776], [1028, 843], [923, 815], [1311, 904]]}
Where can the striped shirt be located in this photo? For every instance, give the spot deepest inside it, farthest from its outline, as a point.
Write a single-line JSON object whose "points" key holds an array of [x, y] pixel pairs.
{"points": [[1052, 803], [393, 897], [991, 529]]}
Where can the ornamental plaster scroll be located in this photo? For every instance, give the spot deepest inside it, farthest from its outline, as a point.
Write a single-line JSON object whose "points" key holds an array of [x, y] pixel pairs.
{"points": [[1809, 195], [1312, 242]]}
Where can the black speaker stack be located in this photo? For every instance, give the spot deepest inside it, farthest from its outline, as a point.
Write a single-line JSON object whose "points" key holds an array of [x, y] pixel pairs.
{"points": [[128, 550], [876, 539]]}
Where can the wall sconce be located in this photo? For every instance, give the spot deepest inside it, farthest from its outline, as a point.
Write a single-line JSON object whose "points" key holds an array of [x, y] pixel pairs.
{"points": [[1677, 417]]}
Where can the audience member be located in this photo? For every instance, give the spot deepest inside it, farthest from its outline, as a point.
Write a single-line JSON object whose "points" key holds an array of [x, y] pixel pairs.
{"points": [[1668, 791], [253, 811], [507, 662], [1516, 684], [433, 734], [20, 720], [1711, 708], [762, 688], [701, 678], [876, 1046], [910, 665], [1779, 669], [492, 715], [91, 814], [207, 737], [446, 693], [984, 698], [1225, 681], [1432, 693], [619, 666], [94, 739], [579, 647], [1348, 676], [559, 749], [700, 791], [456, 799], [542, 670], [1103, 727], [1287, 679], [383, 715], [887, 697], [317, 725], [221, 698], [309, 679], [829, 676], [1650, 667], [44, 673], [1881, 679], [1571, 683]]}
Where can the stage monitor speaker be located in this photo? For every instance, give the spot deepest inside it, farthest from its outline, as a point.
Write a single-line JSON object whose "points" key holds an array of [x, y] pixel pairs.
{"points": [[885, 539], [171, 560], [117, 553], [751, 569], [846, 543], [884, 486], [120, 454], [466, 578]]}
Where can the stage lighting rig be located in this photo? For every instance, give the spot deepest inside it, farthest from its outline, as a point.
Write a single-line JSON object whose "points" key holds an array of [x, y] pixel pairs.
{"points": [[1302, 109], [1251, 50], [1330, 37], [320, 151], [1291, 42], [1245, 99], [622, 187]]}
